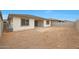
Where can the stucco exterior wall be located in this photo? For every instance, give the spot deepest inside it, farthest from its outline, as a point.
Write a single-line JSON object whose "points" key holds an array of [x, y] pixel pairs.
{"points": [[17, 24], [47, 25], [1, 27]]}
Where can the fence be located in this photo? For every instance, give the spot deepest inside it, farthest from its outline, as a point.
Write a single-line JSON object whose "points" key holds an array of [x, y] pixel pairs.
{"points": [[77, 25], [63, 24]]}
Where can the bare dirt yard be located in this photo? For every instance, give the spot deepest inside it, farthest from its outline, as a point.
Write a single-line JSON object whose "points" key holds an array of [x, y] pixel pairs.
{"points": [[52, 37]]}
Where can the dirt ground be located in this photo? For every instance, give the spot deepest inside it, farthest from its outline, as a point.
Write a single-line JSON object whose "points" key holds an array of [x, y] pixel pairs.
{"points": [[45, 38]]}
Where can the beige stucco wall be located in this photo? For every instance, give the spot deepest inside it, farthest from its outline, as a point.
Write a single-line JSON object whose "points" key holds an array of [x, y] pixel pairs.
{"points": [[17, 24], [47, 25], [1, 27]]}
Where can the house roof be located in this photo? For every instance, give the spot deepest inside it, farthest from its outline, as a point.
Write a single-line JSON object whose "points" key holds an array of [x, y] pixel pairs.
{"points": [[32, 16], [27, 16]]}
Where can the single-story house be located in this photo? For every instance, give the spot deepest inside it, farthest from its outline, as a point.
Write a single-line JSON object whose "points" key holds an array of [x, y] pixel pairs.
{"points": [[1, 24], [19, 22]]}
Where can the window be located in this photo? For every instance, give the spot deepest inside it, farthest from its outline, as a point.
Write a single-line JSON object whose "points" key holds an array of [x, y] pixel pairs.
{"points": [[47, 22], [24, 22]]}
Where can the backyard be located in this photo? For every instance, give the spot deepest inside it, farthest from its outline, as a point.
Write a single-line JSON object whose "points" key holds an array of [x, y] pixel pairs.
{"points": [[52, 37]]}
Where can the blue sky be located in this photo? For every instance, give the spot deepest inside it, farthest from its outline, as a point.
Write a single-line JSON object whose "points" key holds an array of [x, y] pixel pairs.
{"points": [[58, 14]]}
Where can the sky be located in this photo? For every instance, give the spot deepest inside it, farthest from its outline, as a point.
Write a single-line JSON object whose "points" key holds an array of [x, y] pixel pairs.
{"points": [[70, 15]]}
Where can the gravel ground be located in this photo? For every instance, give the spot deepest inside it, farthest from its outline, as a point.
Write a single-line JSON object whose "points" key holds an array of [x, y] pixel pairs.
{"points": [[45, 38]]}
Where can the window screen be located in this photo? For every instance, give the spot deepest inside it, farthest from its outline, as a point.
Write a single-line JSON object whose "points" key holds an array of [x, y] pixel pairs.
{"points": [[24, 22]]}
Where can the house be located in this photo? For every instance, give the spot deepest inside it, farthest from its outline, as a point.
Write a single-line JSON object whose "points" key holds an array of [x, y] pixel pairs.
{"points": [[1, 24], [19, 22]]}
